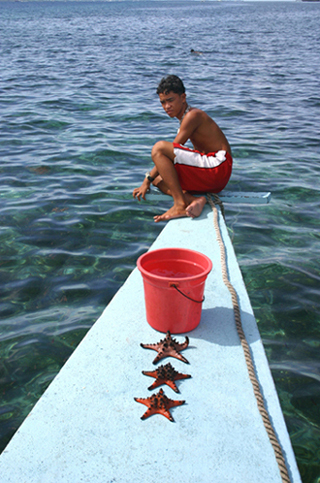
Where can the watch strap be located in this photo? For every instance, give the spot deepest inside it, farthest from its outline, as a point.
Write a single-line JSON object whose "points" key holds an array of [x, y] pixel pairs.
{"points": [[149, 177]]}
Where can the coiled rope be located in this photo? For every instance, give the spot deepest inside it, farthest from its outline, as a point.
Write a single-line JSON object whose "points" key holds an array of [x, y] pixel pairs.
{"points": [[248, 358]]}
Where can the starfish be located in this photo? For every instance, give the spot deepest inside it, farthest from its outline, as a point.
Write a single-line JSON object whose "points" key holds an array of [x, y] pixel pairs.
{"points": [[168, 347], [165, 375], [158, 404]]}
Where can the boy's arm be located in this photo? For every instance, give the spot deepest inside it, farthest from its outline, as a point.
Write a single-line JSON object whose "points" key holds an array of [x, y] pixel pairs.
{"points": [[142, 190], [189, 125]]}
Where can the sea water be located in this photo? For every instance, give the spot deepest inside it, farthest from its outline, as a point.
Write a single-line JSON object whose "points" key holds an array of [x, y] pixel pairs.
{"points": [[79, 116]]}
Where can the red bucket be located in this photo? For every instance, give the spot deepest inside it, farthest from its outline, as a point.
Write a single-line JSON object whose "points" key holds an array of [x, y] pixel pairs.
{"points": [[174, 280]]}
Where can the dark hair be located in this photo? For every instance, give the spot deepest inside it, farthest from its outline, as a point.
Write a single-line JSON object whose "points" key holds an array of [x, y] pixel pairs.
{"points": [[171, 83]]}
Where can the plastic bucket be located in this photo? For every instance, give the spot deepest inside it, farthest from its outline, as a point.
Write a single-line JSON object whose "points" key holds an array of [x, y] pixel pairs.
{"points": [[174, 280]]}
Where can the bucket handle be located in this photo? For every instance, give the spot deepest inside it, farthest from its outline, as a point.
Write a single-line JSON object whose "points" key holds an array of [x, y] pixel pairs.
{"points": [[176, 287]]}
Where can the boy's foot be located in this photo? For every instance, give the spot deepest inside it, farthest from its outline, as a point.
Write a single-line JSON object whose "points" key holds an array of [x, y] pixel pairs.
{"points": [[174, 212], [196, 206]]}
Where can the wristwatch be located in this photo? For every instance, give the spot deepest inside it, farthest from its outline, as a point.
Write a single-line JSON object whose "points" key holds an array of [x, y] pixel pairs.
{"points": [[149, 178]]}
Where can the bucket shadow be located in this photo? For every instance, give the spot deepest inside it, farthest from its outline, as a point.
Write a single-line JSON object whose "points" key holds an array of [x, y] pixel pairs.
{"points": [[217, 325]]}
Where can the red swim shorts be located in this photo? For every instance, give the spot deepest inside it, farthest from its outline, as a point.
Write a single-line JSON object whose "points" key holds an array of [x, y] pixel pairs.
{"points": [[201, 173]]}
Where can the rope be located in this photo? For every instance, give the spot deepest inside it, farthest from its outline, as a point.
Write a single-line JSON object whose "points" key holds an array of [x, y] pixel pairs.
{"points": [[252, 375]]}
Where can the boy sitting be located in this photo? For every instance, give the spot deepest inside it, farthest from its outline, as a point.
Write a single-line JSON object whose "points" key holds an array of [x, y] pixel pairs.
{"points": [[179, 171]]}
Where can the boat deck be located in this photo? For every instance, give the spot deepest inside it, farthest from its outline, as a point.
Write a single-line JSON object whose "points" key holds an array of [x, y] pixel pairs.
{"points": [[87, 427]]}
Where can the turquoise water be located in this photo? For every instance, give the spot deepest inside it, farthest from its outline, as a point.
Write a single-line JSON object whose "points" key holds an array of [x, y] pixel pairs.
{"points": [[79, 116]]}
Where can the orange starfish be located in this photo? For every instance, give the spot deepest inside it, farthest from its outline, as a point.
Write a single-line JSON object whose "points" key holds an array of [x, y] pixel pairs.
{"points": [[158, 404], [165, 375], [168, 347]]}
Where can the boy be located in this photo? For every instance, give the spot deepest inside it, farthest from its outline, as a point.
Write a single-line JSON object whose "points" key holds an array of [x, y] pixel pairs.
{"points": [[180, 171]]}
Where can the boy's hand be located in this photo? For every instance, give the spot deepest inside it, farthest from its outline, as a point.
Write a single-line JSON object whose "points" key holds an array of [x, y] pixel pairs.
{"points": [[141, 191]]}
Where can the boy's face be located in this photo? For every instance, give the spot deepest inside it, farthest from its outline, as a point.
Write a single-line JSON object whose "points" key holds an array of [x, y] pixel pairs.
{"points": [[174, 104]]}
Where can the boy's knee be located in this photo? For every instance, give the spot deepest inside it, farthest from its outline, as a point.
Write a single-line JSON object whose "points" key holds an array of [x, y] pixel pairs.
{"points": [[162, 147], [158, 148]]}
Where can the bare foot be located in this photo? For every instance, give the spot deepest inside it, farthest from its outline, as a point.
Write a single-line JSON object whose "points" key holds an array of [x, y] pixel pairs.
{"points": [[174, 212], [196, 206]]}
